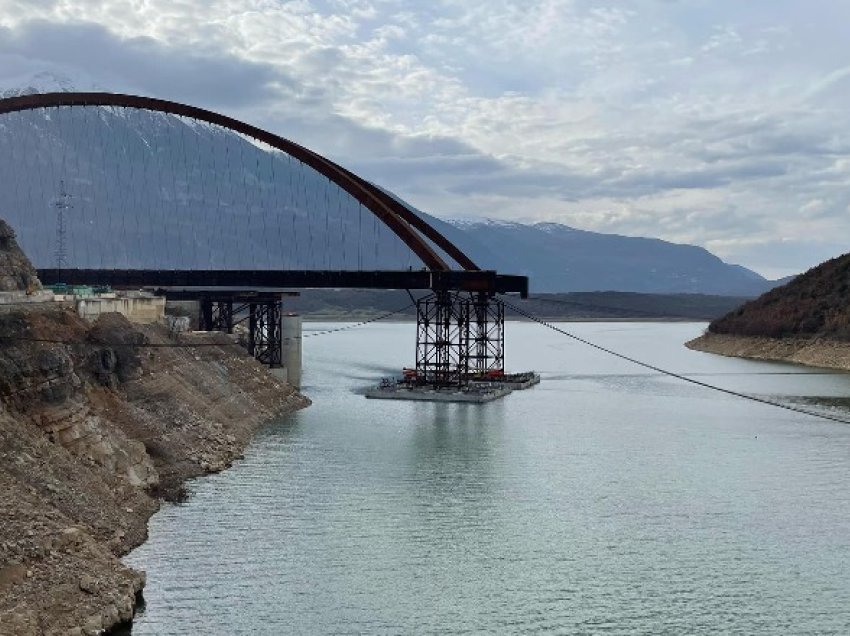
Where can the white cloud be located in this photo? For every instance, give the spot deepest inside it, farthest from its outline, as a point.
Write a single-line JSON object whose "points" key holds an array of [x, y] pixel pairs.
{"points": [[720, 123]]}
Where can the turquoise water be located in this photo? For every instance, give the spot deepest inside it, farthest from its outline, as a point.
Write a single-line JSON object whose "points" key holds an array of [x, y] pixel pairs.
{"points": [[608, 499]]}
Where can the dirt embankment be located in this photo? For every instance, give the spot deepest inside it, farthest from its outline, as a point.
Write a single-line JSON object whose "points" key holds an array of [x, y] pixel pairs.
{"points": [[91, 434], [813, 351]]}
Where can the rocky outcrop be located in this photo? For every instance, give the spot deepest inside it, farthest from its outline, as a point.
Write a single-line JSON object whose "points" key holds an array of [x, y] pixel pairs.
{"points": [[64, 522], [815, 352], [96, 422], [16, 271]]}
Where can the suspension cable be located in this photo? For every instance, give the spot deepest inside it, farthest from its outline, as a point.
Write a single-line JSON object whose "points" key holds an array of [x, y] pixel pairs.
{"points": [[359, 324], [672, 374]]}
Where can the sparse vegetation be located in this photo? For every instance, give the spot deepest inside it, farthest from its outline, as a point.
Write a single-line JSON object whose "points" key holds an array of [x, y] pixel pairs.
{"points": [[816, 303]]}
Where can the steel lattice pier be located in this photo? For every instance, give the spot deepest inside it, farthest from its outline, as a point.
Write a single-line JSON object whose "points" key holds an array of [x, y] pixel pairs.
{"points": [[222, 312], [459, 337]]}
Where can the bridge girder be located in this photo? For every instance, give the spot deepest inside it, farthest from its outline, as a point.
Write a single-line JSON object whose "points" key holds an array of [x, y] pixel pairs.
{"points": [[481, 281]]}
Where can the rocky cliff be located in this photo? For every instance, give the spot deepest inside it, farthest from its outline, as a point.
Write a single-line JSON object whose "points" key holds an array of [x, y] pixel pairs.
{"points": [[97, 421], [16, 271]]}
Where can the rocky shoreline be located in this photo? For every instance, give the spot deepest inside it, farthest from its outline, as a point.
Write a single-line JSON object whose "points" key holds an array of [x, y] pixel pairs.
{"points": [[813, 351], [99, 422]]}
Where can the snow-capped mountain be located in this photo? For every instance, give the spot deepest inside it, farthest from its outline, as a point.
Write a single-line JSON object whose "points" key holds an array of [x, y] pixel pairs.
{"points": [[148, 190], [45, 82]]}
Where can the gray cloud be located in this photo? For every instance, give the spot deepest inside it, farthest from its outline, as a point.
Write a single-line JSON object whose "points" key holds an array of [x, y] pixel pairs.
{"points": [[140, 64], [719, 123]]}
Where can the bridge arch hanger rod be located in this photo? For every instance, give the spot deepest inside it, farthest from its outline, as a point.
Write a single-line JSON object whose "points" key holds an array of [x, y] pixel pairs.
{"points": [[413, 219], [402, 221]]}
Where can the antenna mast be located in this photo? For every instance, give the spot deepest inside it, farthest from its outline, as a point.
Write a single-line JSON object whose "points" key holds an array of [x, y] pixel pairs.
{"points": [[61, 203]]}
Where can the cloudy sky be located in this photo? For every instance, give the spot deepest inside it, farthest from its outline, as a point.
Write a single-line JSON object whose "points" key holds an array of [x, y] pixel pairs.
{"points": [[723, 123]]}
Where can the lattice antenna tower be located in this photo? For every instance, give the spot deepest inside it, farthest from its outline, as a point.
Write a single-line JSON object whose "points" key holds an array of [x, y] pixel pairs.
{"points": [[62, 203]]}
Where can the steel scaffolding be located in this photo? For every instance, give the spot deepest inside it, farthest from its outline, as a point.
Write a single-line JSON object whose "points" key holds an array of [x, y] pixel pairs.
{"points": [[222, 312], [459, 337]]}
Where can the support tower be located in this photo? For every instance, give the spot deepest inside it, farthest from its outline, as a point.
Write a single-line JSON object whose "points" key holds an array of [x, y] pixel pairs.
{"points": [[262, 312], [460, 336]]}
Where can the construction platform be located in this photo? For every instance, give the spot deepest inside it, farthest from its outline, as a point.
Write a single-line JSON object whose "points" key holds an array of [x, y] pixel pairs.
{"points": [[513, 381], [476, 392]]}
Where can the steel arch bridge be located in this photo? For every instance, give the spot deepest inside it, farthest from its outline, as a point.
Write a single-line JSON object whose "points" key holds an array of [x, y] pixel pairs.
{"points": [[420, 237], [460, 327]]}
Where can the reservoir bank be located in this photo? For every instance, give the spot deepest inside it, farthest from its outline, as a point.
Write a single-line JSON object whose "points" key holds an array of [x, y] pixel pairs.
{"points": [[811, 351]]}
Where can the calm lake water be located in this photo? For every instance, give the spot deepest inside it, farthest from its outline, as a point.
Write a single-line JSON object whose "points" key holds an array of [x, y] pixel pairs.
{"points": [[608, 499]]}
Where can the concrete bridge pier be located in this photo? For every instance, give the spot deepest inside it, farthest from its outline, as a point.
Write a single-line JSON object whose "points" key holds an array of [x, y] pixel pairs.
{"points": [[290, 354]]}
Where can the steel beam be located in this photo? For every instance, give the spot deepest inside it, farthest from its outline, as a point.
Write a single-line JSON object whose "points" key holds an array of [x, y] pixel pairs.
{"points": [[486, 282]]}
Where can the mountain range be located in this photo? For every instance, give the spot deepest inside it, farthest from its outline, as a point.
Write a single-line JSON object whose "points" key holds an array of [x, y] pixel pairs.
{"points": [[151, 190], [559, 258]]}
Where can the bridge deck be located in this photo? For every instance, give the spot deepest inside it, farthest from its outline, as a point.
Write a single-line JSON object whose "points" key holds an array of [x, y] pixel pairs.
{"points": [[470, 281]]}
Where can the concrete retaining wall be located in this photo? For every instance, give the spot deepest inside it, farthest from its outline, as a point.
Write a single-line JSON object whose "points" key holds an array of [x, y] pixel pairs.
{"points": [[142, 309]]}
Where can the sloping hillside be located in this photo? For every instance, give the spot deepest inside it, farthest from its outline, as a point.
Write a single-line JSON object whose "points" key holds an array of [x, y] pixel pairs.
{"points": [[816, 303], [347, 304], [560, 258]]}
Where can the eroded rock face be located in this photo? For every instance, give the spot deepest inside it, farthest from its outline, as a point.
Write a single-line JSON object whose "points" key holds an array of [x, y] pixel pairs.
{"points": [[117, 360], [42, 382], [16, 271], [93, 428], [90, 427]]}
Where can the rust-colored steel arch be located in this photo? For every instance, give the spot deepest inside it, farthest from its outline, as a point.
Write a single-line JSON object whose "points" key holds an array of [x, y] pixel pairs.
{"points": [[396, 216]]}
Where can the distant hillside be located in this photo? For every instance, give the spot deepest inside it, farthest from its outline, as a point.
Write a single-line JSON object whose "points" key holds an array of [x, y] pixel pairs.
{"points": [[363, 304], [559, 258], [814, 303]]}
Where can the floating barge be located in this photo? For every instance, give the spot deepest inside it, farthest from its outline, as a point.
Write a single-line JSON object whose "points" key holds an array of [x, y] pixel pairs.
{"points": [[476, 391], [514, 381]]}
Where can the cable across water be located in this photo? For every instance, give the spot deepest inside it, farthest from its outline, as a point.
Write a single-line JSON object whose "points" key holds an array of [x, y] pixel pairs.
{"points": [[679, 376]]}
